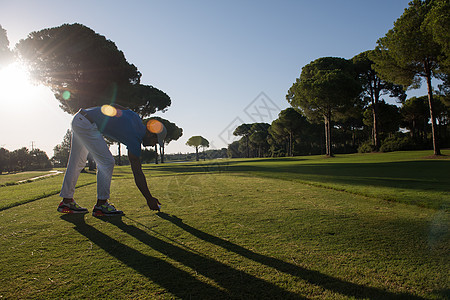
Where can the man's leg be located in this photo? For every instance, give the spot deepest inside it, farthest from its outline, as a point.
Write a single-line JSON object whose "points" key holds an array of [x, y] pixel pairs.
{"points": [[96, 145], [77, 161], [105, 166]]}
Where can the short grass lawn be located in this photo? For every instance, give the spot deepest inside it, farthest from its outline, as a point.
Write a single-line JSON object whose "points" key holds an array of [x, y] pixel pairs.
{"points": [[238, 229]]}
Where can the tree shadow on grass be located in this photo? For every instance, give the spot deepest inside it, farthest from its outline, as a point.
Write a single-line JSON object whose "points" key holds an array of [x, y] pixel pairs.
{"points": [[313, 277], [178, 282]]}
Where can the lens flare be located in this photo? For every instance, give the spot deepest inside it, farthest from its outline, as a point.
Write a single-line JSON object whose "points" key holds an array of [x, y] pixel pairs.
{"points": [[154, 126], [66, 95], [109, 110]]}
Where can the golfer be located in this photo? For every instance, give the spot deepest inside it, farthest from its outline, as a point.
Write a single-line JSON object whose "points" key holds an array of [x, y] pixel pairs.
{"points": [[121, 125]]}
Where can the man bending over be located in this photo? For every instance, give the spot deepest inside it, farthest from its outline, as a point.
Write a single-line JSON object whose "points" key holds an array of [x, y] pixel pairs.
{"points": [[121, 125]]}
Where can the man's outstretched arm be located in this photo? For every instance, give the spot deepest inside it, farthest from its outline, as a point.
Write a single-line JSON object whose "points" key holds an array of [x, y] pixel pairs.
{"points": [[141, 182]]}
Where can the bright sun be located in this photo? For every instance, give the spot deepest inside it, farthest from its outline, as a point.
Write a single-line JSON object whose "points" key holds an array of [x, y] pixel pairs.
{"points": [[15, 85]]}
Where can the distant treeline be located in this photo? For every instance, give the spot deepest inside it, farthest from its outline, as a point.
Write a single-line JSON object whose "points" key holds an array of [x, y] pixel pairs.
{"points": [[23, 160], [203, 155], [148, 156]]}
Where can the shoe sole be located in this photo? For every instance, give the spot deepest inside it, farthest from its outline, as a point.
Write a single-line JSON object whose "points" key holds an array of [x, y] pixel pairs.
{"points": [[70, 211], [101, 214]]}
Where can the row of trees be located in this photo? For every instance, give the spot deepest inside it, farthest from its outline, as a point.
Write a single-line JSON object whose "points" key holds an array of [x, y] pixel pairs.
{"points": [[399, 128], [330, 89], [345, 96], [23, 160], [206, 154]]}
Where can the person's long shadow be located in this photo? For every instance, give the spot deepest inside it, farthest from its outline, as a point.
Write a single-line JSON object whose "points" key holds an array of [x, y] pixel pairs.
{"points": [[239, 285], [177, 282], [314, 277]]}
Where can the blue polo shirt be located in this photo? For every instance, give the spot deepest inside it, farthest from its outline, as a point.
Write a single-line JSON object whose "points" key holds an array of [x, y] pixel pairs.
{"points": [[126, 128]]}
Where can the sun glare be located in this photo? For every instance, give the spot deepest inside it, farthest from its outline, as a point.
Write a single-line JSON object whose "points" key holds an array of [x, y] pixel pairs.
{"points": [[109, 111], [15, 85], [154, 126]]}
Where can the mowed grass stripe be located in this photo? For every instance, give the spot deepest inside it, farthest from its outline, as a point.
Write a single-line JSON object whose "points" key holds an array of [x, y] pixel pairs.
{"points": [[18, 194], [11, 179]]}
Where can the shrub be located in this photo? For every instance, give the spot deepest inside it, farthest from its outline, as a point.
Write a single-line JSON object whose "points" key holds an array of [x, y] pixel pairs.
{"points": [[398, 142], [366, 147]]}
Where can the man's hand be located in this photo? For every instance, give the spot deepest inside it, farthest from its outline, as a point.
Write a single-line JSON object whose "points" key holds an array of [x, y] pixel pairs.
{"points": [[153, 203], [141, 182]]}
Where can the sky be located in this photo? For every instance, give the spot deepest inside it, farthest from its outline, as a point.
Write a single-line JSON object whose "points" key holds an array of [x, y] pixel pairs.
{"points": [[223, 63]]}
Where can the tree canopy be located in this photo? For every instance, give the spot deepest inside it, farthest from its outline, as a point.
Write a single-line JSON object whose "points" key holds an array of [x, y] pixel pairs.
{"points": [[437, 23], [326, 85], [81, 67], [412, 50], [244, 130], [289, 126], [84, 69], [145, 100], [61, 152], [259, 136], [197, 141], [6, 54]]}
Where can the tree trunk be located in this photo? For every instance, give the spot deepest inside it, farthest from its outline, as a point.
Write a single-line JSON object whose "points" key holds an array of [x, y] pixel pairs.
{"points": [[292, 143], [327, 120], [376, 140], [248, 149], [196, 153], [156, 154], [436, 148], [375, 97], [119, 162], [353, 137], [161, 152]]}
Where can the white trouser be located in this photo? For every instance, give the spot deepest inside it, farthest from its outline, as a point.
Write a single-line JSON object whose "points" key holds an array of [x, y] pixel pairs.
{"points": [[86, 138]]}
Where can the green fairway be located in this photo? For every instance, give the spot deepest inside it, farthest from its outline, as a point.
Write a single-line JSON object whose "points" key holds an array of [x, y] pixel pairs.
{"points": [[291, 228], [407, 177]]}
